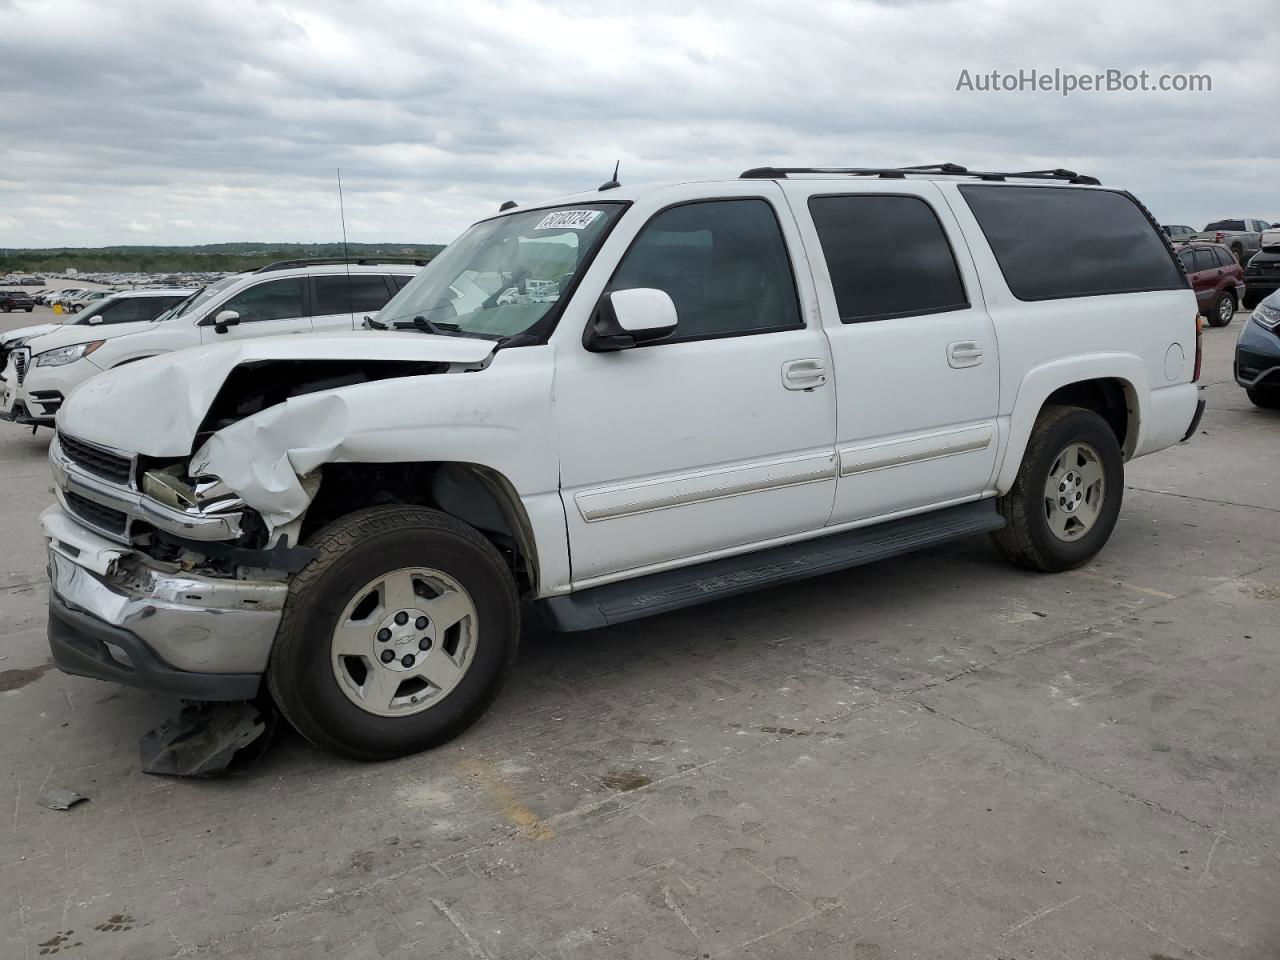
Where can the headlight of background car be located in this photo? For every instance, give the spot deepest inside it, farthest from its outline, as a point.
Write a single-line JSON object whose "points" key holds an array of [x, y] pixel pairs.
{"points": [[65, 355], [1267, 315]]}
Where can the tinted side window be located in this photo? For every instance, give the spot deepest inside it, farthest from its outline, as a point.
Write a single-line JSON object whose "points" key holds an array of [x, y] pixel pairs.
{"points": [[274, 300], [400, 280], [723, 262], [135, 309], [887, 256], [1056, 242], [1224, 259], [357, 294], [1188, 258], [1205, 259]]}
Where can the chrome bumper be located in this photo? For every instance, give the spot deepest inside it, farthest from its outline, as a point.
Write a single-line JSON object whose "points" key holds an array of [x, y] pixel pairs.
{"points": [[69, 478], [190, 623]]}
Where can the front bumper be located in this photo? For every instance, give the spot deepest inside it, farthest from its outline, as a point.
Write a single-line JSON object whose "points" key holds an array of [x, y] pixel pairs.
{"points": [[114, 615], [1257, 361]]}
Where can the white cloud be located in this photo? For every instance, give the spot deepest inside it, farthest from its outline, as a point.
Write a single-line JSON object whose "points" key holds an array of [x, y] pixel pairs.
{"points": [[201, 122]]}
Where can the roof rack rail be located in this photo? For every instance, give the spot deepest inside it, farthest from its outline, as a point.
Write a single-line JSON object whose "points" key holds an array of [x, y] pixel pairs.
{"points": [[354, 261], [901, 173]]}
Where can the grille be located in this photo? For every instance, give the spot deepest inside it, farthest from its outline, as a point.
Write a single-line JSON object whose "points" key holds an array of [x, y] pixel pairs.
{"points": [[95, 514], [20, 358], [95, 460]]}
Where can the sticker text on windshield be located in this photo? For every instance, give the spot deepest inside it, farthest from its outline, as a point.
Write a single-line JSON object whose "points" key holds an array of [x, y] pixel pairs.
{"points": [[568, 220]]}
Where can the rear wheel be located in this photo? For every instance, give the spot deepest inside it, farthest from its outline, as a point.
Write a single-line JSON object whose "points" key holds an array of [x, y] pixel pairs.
{"points": [[1237, 251], [397, 637], [1268, 398], [1223, 310], [1066, 498]]}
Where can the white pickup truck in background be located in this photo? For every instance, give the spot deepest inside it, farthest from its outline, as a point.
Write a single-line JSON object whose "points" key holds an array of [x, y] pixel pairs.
{"points": [[610, 406]]}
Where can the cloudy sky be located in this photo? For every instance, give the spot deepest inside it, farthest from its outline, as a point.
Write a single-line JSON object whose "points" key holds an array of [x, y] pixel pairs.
{"points": [[168, 121]]}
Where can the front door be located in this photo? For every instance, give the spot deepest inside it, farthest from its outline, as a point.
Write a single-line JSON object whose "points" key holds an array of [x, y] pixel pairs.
{"points": [[913, 346], [266, 309], [720, 435]]}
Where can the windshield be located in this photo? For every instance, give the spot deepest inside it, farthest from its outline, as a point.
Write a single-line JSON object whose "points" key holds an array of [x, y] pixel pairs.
{"points": [[197, 300], [503, 276]]}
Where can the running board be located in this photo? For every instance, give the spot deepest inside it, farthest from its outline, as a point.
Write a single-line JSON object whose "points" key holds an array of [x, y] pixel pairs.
{"points": [[716, 579]]}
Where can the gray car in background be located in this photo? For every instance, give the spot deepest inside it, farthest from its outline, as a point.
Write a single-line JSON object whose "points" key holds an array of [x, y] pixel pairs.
{"points": [[1242, 237]]}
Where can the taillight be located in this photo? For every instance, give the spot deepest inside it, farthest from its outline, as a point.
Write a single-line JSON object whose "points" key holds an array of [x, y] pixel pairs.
{"points": [[1195, 374], [1219, 237]]}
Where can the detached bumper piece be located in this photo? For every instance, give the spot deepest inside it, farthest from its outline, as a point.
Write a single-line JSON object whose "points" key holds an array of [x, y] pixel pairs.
{"points": [[208, 740], [86, 646]]}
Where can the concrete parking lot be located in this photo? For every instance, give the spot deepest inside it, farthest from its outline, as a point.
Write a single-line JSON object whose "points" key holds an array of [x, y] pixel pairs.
{"points": [[937, 756]]}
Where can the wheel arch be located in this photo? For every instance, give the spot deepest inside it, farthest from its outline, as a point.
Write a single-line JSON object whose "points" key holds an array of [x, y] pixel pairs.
{"points": [[474, 493], [1114, 387]]}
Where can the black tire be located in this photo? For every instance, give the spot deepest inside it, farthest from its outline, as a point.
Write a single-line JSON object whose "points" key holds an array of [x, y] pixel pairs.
{"points": [[1223, 310], [1249, 301], [1268, 398], [352, 551], [1026, 537], [29, 309], [1237, 251]]}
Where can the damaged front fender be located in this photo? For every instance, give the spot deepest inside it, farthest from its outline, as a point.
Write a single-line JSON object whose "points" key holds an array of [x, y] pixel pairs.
{"points": [[263, 457]]}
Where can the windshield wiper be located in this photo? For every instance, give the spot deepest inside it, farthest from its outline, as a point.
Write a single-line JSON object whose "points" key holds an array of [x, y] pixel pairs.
{"points": [[439, 329]]}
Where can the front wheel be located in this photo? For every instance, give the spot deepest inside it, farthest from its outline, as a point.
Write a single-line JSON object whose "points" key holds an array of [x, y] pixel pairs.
{"points": [[397, 637], [1222, 311], [1066, 499]]}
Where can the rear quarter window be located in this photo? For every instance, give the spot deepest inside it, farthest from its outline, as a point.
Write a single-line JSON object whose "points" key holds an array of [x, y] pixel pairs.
{"points": [[1059, 242]]}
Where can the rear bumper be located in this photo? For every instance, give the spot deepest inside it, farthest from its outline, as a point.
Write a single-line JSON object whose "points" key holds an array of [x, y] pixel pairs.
{"points": [[114, 616]]}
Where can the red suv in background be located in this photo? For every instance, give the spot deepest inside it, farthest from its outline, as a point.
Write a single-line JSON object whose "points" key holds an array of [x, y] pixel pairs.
{"points": [[1217, 278]]}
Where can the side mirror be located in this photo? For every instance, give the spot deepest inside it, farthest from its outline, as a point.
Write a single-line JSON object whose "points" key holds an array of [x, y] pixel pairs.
{"points": [[94, 320], [225, 320], [626, 318]]}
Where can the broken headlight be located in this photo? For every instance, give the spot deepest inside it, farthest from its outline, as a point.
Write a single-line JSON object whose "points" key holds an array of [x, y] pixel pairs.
{"points": [[207, 495]]}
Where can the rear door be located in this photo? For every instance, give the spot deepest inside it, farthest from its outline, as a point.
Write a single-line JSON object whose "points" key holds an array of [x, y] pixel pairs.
{"points": [[1202, 272], [266, 309], [341, 302], [914, 350]]}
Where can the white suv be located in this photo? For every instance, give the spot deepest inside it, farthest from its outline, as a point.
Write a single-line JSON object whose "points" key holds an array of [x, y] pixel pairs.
{"points": [[608, 407], [292, 296]]}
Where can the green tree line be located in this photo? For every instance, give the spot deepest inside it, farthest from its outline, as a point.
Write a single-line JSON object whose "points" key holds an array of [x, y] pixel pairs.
{"points": [[192, 259]]}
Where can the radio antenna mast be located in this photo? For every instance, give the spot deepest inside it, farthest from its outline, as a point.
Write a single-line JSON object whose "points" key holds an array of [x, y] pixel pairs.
{"points": [[346, 257]]}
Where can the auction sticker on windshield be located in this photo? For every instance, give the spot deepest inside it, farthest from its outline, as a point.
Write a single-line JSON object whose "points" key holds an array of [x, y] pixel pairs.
{"points": [[568, 220]]}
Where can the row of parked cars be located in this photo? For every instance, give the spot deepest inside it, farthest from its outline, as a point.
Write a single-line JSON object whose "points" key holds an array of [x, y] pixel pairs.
{"points": [[591, 410], [43, 364]]}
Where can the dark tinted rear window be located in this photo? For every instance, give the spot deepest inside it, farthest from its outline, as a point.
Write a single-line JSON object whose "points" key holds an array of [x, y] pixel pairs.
{"points": [[355, 294], [1225, 225], [887, 257], [1054, 242]]}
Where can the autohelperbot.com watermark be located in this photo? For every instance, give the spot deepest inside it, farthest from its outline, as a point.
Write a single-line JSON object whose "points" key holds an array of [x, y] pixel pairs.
{"points": [[1065, 82]]}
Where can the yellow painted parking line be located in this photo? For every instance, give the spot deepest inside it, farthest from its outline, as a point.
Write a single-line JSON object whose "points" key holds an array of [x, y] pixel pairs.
{"points": [[1149, 591]]}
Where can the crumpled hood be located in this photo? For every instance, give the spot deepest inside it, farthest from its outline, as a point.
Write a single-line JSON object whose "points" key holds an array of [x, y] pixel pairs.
{"points": [[68, 334], [155, 406]]}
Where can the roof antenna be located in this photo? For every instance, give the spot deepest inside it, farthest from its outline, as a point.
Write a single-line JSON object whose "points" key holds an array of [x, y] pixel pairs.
{"points": [[612, 183], [508, 205]]}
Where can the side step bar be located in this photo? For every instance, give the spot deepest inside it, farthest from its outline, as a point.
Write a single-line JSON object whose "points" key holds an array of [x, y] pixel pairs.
{"points": [[716, 579]]}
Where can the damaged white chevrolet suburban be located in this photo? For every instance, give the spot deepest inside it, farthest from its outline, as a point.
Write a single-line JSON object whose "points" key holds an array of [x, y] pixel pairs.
{"points": [[612, 406]]}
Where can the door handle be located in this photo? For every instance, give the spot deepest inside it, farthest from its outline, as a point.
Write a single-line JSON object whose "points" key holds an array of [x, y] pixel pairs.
{"points": [[804, 374], [964, 353]]}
